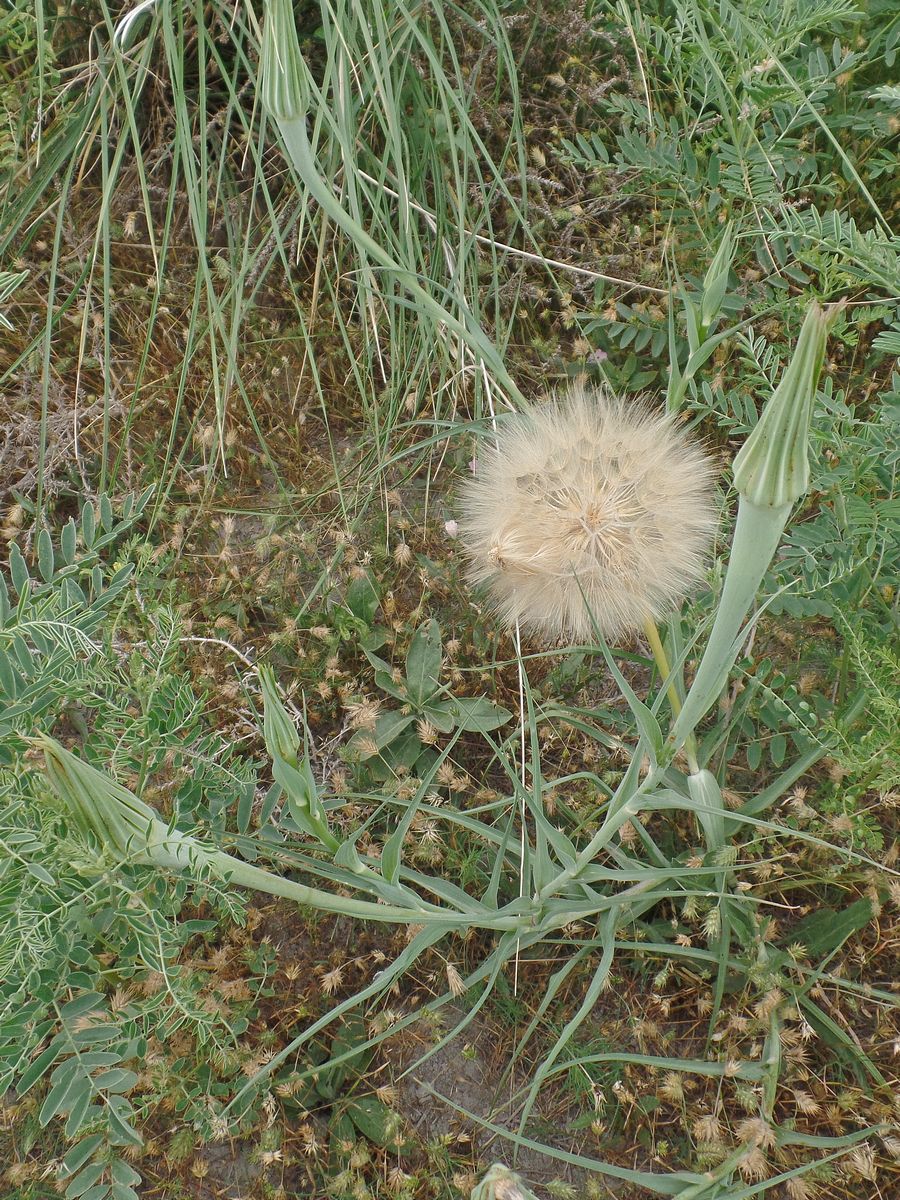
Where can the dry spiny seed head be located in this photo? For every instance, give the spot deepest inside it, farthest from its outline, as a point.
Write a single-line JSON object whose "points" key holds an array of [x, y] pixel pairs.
{"points": [[588, 510], [455, 981], [806, 1103], [672, 1087], [767, 1004], [801, 1189], [332, 980], [861, 1162], [757, 1132], [362, 714], [428, 735], [753, 1165], [707, 1128]]}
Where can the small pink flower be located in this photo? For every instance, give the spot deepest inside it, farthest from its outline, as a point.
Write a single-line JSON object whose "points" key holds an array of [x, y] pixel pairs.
{"points": [[473, 465], [598, 356], [451, 528]]}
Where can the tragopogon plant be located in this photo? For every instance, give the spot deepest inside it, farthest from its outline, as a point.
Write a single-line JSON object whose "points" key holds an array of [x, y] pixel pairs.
{"points": [[601, 886], [128, 829]]}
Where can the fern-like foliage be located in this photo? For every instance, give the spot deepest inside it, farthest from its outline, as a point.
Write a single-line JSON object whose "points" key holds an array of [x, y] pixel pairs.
{"points": [[65, 1031], [868, 749], [869, 256]]}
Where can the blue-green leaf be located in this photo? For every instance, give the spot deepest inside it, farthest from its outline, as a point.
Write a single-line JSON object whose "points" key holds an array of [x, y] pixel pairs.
{"points": [[38, 1069], [88, 524], [86, 1179], [423, 663], [80, 1153], [68, 541], [123, 1174], [477, 714], [9, 679], [18, 570], [363, 599], [45, 555]]}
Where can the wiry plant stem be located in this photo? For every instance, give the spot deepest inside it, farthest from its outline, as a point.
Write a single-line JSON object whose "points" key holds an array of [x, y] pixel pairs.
{"points": [[659, 653], [756, 536]]}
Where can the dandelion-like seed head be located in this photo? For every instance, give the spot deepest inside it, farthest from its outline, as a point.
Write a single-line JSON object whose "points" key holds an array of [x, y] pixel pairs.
{"points": [[588, 510]]}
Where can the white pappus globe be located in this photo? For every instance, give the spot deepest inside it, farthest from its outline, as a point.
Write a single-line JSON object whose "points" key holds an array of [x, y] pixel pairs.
{"points": [[588, 511]]}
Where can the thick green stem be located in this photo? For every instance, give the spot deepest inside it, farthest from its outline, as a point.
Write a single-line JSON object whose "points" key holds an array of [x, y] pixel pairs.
{"points": [[756, 537], [771, 473]]}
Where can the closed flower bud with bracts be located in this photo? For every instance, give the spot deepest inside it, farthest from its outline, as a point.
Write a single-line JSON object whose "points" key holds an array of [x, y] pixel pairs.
{"points": [[590, 513], [279, 731]]}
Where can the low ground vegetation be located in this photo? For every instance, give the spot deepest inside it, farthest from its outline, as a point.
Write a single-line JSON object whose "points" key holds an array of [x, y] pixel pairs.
{"points": [[260, 325]]}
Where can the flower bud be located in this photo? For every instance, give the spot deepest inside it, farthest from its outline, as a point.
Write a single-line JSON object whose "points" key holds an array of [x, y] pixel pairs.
{"points": [[715, 282], [772, 467], [123, 824], [280, 732], [284, 91], [771, 473], [128, 829], [291, 768]]}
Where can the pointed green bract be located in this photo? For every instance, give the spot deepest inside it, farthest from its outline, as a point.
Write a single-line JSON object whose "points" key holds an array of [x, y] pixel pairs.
{"points": [[279, 730], [772, 467], [283, 87], [292, 770], [715, 281], [120, 822]]}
